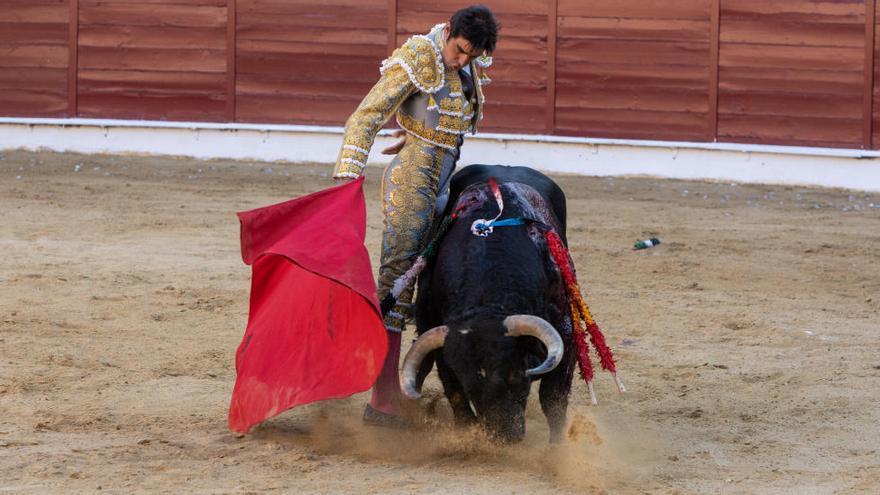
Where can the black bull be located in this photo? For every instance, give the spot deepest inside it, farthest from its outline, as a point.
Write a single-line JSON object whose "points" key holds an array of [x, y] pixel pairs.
{"points": [[481, 302]]}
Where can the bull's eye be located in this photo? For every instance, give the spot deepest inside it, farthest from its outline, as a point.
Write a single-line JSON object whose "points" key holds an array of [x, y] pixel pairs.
{"points": [[482, 372]]}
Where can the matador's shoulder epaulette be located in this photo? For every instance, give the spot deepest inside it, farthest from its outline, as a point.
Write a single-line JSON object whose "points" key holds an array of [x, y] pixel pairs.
{"points": [[422, 61]]}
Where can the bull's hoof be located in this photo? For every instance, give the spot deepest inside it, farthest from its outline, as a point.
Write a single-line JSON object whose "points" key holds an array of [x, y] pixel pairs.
{"points": [[374, 417]]}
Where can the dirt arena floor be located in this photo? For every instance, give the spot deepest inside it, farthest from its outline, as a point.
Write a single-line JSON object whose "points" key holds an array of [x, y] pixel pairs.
{"points": [[749, 342]]}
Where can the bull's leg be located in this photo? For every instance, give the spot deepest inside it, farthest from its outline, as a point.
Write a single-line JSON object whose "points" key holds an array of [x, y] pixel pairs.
{"points": [[461, 407], [555, 388]]}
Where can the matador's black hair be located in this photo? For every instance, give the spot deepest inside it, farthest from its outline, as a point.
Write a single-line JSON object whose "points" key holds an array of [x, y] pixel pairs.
{"points": [[476, 24]]}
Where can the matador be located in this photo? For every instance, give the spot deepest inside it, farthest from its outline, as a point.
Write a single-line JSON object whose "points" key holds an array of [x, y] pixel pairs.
{"points": [[433, 85]]}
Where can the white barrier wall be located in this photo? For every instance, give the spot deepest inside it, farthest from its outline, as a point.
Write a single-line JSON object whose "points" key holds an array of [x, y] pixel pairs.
{"points": [[853, 169]]}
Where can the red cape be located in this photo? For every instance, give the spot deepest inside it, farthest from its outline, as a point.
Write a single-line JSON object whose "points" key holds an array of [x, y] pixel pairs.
{"points": [[314, 330]]}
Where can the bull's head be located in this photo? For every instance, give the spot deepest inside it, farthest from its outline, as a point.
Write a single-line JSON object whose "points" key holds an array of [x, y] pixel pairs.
{"points": [[491, 366]]}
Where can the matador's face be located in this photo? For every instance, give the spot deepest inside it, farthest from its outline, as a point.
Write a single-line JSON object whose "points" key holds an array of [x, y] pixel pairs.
{"points": [[458, 51]]}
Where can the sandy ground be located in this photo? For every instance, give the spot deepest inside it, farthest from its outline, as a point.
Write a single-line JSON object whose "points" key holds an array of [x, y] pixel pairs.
{"points": [[749, 342]]}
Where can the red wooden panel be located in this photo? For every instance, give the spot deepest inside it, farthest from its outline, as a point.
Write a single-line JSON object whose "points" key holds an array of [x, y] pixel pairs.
{"points": [[162, 37], [37, 79], [787, 103], [148, 106], [335, 17], [156, 3], [512, 25], [667, 9], [136, 14], [46, 56], [509, 116], [773, 32], [633, 29], [360, 50], [27, 103], [318, 67], [33, 33], [630, 124], [498, 7], [637, 97], [818, 82], [814, 57], [129, 81], [296, 110], [33, 12], [644, 53], [793, 68], [264, 85], [151, 59], [318, 36], [677, 76], [793, 10], [789, 130], [33, 57]]}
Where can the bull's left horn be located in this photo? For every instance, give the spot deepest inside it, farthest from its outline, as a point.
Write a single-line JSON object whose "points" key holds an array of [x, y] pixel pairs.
{"points": [[430, 340], [520, 325]]}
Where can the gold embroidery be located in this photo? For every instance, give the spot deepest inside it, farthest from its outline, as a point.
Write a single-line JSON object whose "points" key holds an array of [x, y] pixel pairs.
{"points": [[374, 111], [420, 130]]}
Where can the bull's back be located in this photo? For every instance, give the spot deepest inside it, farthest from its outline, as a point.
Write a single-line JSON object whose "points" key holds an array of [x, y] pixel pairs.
{"points": [[544, 185]]}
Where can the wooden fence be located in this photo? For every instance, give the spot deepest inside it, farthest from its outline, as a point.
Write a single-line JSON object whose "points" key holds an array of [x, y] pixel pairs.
{"points": [[790, 72]]}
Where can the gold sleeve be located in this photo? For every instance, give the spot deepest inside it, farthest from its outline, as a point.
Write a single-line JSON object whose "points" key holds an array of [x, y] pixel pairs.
{"points": [[374, 111]]}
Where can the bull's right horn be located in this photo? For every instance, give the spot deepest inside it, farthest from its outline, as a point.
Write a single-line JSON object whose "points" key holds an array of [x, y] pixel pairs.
{"points": [[520, 325], [430, 340]]}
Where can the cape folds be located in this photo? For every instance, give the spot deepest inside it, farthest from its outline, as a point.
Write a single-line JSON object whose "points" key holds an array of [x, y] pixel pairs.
{"points": [[314, 331]]}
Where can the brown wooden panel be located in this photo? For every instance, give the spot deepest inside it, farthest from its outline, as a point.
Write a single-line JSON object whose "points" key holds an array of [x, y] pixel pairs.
{"points": [[512, 25], [819, 82], [316, 35], [38, 79], [136, 14], [319, 67], [164, 60], [46, 56], [791, 57], [790, 130], [162, 37], [34, 57], [815, 33], [359, 50], [667, 9], [159, 82], [511, 117], [498, 7], [793, 10], [156, 3], [636, 97], [336, 17], [788, 103], [33, 33], [148, 106], [680, 76], [27, 103], [630, 124], [175, 60], [293, 109], [33, 12], [262, 84], [633, 29], [644, 53]]}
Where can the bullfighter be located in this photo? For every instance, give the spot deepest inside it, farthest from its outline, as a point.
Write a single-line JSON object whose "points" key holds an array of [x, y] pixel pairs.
{"points": [[433, 84]]}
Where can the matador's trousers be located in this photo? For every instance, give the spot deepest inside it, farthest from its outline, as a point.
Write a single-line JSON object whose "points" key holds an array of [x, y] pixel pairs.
{"points": [[415, 189]]}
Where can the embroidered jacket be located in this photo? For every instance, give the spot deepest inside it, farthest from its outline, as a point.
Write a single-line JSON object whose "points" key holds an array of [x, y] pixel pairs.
{"points": [[426, 96]]}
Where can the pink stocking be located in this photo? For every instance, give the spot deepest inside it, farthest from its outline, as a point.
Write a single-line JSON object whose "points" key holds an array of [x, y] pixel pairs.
{"points": [[386, 391]]}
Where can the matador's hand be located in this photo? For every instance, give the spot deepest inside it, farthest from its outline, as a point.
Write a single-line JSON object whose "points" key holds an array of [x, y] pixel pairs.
{"points": [[396, 147]]}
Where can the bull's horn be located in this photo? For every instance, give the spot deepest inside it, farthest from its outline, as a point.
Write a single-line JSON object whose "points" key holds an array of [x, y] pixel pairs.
{"points": [[430, 340], [519, 325]]}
